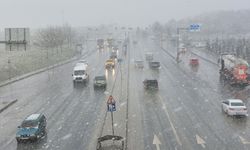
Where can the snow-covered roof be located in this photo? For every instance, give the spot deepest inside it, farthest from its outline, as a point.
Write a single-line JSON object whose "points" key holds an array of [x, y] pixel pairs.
{"points": [[235, 100], [32, 117], [80, 67], [232, 61]]}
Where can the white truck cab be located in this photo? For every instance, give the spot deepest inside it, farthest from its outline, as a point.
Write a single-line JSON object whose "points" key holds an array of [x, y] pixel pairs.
{"points": [[80, 73]]}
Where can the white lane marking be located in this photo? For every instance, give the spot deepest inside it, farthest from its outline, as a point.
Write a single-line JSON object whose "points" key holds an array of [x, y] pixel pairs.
{"points": [[170, 121], [200, 141], [106, 93], [156, 142], [243, 140], [66, 137]]}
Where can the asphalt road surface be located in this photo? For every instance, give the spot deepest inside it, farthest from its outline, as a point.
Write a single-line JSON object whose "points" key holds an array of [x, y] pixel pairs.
{"points": [[184, 114]]}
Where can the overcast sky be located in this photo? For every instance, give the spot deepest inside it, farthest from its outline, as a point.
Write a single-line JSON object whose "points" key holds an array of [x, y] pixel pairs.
{"points": [[40, 13]]}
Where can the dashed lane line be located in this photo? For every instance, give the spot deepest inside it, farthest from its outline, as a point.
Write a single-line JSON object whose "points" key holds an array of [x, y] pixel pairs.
{"points": [[170, 121]]}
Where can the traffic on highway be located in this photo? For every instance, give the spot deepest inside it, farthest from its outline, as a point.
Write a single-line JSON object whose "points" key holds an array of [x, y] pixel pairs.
{"points": [[181, 84], [164, 104]]}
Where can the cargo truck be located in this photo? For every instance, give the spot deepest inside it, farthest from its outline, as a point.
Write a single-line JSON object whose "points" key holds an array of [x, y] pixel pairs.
{"points": [[233, 70]]}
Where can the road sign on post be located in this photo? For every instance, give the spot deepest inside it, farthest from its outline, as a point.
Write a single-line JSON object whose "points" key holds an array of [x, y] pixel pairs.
{"points": [[17, 38], [194, 27], [111, 108]]}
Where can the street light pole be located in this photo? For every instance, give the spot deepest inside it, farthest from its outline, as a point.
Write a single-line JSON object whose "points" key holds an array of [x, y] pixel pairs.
{"points": [[177, 45], [112, 121], [177, 42]]}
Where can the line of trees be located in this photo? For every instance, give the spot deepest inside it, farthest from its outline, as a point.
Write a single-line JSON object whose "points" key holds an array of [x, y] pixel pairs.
{"points": [[55, 37], [222, 31], [219, 22], [239, 46]]}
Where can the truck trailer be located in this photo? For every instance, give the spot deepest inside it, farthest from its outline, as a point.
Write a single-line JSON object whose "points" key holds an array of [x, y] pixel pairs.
{"points": [[233, 70]]}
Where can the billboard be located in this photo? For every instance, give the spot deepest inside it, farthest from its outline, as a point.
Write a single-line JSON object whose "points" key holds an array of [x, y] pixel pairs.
{"points": [[17, 38]]}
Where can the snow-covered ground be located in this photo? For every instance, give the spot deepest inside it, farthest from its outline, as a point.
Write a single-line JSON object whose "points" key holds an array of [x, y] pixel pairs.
{"points": [[22, 62]]}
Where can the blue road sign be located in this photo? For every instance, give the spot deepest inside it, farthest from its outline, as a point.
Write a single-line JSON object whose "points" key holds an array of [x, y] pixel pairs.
{"points": [[194, 27], [111, 107]]}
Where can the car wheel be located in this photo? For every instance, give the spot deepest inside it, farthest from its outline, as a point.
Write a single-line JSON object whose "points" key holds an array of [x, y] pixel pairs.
{"points": [[35, 139], [222, 110], [18, 140], [44, 133], [227, 113]]}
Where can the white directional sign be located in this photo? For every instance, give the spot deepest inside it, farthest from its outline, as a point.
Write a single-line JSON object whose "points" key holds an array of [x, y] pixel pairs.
{"points": [[244, 141], [156, 142], [200, 141], [194, 27]]}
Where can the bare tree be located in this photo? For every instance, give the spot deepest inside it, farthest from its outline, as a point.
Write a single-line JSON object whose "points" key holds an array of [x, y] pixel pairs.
{"points": [[68, 35], [54, 37]]}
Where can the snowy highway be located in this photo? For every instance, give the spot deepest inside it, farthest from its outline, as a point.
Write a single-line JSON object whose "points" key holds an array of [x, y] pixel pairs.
{"points": [[184, 114]]}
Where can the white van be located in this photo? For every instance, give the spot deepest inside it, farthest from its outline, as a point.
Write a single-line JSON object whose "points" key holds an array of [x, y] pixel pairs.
{"points": [[80, 73]]}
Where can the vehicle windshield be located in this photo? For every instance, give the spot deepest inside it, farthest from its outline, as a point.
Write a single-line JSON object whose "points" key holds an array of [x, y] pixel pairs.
{"points": [[29, 123], [237, 104], [110, 61], [100, 78], [150, 81], [79, 72]]}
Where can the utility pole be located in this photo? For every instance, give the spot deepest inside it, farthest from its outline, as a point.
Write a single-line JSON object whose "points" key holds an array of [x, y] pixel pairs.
{"points": [[9, 66], [177, 42], [161, 40], [192, 27], [111, 107]]}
